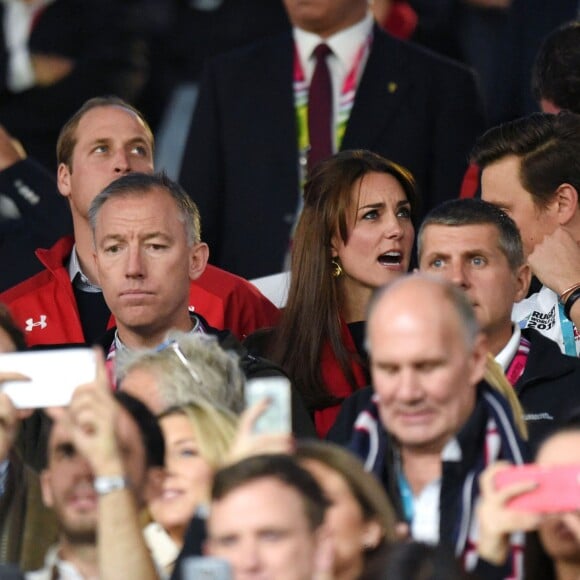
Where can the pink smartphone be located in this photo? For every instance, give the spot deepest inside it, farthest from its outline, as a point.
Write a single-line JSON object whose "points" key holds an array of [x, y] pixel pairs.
{"points": [[558, 487]]}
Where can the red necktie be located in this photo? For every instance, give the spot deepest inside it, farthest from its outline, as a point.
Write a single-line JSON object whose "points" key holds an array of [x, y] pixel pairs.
{"points": [[320, 109]]}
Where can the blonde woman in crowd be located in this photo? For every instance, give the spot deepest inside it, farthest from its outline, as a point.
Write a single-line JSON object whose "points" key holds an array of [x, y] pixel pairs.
{"points": [[198, 437]]}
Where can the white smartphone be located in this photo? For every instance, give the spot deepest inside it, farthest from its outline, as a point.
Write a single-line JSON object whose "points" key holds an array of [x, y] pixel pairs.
{"points": [[54, 375], [278, 416], [205, 568]]}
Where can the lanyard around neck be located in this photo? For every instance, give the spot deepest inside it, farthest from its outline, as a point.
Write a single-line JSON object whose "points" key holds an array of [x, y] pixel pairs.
{"points": [[568, 335], [345, 99]]}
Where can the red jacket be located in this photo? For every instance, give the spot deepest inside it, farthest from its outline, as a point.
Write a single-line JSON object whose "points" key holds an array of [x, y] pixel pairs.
{"points": [[45, 306], [336, 382]]}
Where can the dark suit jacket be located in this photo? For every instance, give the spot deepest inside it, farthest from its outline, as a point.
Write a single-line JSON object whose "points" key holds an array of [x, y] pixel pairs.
{"points": [[241, 161], [105, 43]]}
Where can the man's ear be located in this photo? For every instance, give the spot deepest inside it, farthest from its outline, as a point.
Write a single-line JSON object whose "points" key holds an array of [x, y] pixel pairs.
{"points": [[523, 277], [63, 179], [198, 257], [45, 488], [567, 200]]}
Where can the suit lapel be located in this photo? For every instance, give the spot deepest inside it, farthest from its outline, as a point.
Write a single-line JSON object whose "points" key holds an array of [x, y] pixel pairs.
{"points": [[275, 104], [381, 89]]}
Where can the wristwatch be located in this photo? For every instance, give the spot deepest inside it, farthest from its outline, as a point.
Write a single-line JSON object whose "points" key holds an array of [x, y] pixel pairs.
{"points": [[105, 484]]}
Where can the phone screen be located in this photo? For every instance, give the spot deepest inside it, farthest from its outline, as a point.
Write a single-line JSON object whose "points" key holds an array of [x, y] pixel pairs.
{"points": [[278, 416]]}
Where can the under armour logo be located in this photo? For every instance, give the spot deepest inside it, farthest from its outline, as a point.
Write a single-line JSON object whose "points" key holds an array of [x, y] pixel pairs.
{"points": [[30, 324]]}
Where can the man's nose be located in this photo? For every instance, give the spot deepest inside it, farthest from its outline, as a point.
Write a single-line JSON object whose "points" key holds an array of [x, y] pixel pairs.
{"points": [[409, 388], [135, 266], [83, 469], [458, 275], [122, 162], [250, 556]]}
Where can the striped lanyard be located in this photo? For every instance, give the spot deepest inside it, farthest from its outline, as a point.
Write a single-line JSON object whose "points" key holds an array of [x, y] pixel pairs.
{"points": [[345, 102], [517, 366]]}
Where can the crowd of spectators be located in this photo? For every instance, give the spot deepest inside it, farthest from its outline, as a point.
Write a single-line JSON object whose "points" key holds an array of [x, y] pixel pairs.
{"points": [[408, 171]]}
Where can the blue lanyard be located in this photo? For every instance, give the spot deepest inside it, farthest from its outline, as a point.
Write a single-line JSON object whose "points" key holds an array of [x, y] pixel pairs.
{"points": [[567, 327], [406, 496]]}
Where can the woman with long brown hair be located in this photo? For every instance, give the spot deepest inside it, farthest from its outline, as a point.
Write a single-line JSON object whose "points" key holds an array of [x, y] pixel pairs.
{"points": [[355, 234]]}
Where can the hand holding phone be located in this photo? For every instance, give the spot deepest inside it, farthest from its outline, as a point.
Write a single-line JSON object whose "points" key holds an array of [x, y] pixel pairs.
{"points": [[277, 418], [496, 522], [557, 488], [53, 375]]}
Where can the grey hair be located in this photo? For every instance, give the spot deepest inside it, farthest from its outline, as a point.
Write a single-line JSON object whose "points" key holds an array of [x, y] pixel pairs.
{"points": [[456, 297], [142, 183], [209, 372]]}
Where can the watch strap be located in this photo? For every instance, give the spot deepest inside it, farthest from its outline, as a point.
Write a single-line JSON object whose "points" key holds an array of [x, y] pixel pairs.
{"points": [[105, 484]]}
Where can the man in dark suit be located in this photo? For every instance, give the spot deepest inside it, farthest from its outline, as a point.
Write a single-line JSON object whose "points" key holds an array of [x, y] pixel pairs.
{"points": [[56, 54], [243, 153]]}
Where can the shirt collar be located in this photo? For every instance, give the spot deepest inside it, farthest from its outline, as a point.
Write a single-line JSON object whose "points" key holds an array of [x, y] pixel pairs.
{"points": [[64, 569], [452, 451], [507, 353], [198, 328], [345, 44], [77, 276]]}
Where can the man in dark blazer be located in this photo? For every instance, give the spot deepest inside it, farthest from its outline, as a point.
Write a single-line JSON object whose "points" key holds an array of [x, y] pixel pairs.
{"points": [[56, 54], [242, 160]]}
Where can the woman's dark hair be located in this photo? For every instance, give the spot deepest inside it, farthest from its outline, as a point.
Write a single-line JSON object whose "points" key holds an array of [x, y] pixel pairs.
{"points": [[537, 564], [311, 318], [149, 429]]}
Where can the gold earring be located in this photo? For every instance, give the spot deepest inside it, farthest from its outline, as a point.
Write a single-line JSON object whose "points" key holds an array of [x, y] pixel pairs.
{"points": [[336, 269]]}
